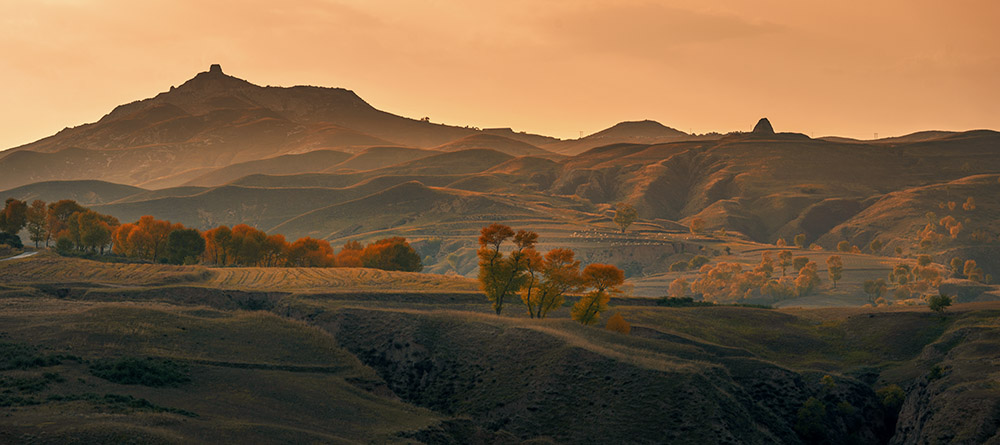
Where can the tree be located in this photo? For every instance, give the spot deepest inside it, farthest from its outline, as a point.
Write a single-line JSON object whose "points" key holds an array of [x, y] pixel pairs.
{"points": [[37, 221], [184, 246], [923, 260], [678, 288], [310, 252], [875, 289], [875, 246], [972, 271], [800, 240], [807, 280], [697, 261], [350, 255], [938, 303], [625, 215], [969, 205], [14, 216], [780, 242], [501, 276], [618, 324], [844, 246], [604, 279], [956, 267], [549, 280], [274, 252], [217, 242], [835, 268], [784, 260], [391, 254], [799, 262], [58, 218]]}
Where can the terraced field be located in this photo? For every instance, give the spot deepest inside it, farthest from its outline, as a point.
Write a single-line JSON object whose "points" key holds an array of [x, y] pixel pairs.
{"points": [[48, 267], [326, 280]]}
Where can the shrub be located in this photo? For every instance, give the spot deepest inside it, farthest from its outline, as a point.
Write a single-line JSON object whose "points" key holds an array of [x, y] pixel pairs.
{"points": [[618, 324], [11, 240], [679, 266], [138, 371], [938, 303], [698, 261]]}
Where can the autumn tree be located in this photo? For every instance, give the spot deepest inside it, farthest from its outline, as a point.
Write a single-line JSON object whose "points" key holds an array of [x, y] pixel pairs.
{"points": [[58, 217], [274, 251], [550, 278], [697, 226], [923, 260], [37, 221], [956, 267], [972, 271], [604, 280], [618, 324], [146, 238], [310, 252], [350, 255], [217, 242], [799, 262], [784, 260], [91, 231], [969, 205], [678, 288], [14, 216], [875, 246], [501, 276], [800, 240], [844, 246], [184, 246], [875, 289], [807, 280], [247, 244], [391, 254], [625, 215], [835, 268], [697, 261], [780, 242]]}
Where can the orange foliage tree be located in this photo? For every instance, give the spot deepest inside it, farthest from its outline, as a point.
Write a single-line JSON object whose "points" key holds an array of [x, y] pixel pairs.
{"points": [[549, 280], [501, 276], [391, 254], [310, 252], [350, 255], [604, 279]]}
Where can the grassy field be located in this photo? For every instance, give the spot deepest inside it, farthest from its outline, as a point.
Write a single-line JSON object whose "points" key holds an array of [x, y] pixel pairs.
{"points": [[354, 355]]}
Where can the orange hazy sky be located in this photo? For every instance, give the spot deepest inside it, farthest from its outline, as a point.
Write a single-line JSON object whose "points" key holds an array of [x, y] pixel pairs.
{"points": [[849, 68]]}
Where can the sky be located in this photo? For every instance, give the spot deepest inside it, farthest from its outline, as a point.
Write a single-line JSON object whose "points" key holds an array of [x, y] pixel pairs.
{"points": [[560, 68]]}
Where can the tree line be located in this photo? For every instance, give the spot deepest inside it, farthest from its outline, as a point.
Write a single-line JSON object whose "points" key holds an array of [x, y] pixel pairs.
{"points": [[541, 281], [79, 230]]}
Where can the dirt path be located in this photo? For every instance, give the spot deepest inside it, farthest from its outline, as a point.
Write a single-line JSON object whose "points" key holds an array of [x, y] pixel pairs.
{"points": [[23, 255]]}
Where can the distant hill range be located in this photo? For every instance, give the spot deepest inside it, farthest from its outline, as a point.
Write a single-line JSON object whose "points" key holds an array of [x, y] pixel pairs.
{"points": [[323, 162]]}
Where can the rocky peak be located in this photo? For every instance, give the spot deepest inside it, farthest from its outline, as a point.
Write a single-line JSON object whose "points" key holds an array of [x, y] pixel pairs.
{"points": [[763, 127]]}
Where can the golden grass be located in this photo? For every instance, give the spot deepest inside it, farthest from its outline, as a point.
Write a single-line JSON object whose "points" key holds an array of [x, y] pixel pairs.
{"points": [[48, 267], [334, 279]]}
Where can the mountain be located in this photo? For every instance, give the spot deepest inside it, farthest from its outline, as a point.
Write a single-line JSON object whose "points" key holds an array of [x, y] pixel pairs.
{"points": [[215, 120], [636, 132]]}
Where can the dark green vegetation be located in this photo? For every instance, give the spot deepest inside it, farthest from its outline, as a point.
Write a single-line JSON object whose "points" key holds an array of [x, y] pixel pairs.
{"points": [[176, 363]]}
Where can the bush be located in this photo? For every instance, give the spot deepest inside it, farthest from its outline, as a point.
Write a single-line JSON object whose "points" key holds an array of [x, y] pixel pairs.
{"points": [[679, 266], [11, 240], [137, 371], [698, 261], [938, 303]]}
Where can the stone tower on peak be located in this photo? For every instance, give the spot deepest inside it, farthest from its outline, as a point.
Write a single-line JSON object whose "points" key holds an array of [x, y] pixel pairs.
{"points": [[215, 69], [763, 127]]}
